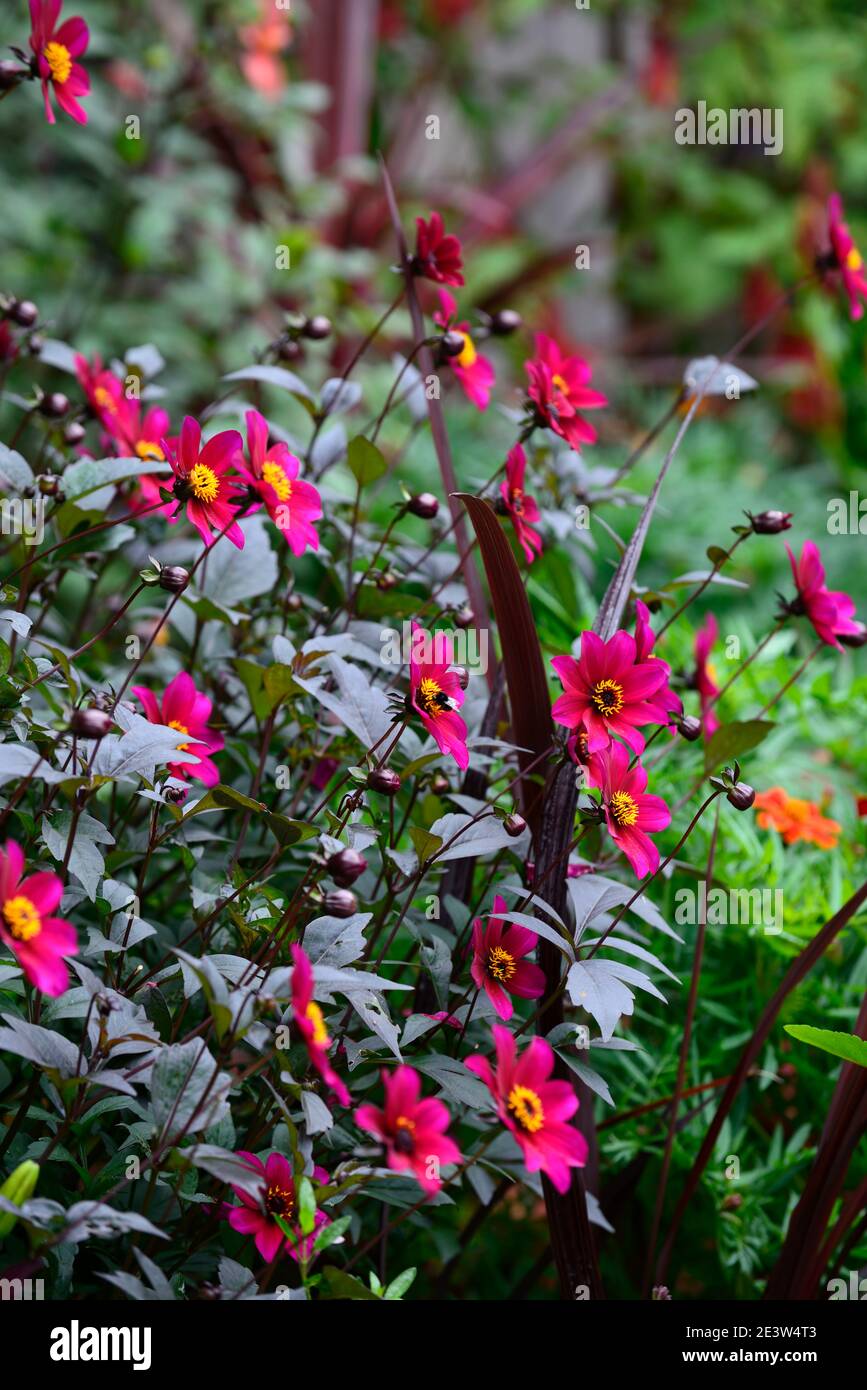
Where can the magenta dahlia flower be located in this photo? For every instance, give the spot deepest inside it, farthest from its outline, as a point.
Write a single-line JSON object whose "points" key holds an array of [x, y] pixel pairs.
{"points": [[609, 691], [536, 1109], [499, 967], [629, 812], [256, 1215], [847, 258], [36, 939], [705, 675], [56, 51], [103, 392], [829, 612], [184, 708], [438, 255], [474, 373], [413, 1130], [645, 639], [293, 505], [519, 506], [560, 390], [435, 692], [201, 482], [308, 1019]]}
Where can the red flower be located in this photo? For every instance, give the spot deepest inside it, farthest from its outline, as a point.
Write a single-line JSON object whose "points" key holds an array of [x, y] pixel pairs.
{"points": [[56, 51], [37, 940], [559, 390], [474, 372], [645, 639], [256, 1216], [847, 257], [438, 254], [609, 691], [292, 504], [201, 482], [535, 1109], [185, 709], [103, 390], [413, 1130], [498, 964], [829, 612], [308, 1018], [705, 683], [521, 508], [629, 812], [435, 692]]}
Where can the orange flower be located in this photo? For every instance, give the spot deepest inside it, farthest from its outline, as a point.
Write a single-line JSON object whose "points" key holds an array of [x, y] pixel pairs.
{"points": [[796, 819]]}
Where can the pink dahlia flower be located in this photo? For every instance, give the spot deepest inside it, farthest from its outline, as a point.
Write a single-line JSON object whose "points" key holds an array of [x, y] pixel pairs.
{"points": [[829, 612], [183, 708], [705, 675], [56, 51], [609, 691], [519, 506], [499, 967], [474, 372], [293, 505], [256, 1214], [645, 639], [435, 692], [413, 1130], [308, 1019], [560, 390], [201, 483], [847, 257], [536, 1109], [38, 940], [438, 254], [629, 812]]}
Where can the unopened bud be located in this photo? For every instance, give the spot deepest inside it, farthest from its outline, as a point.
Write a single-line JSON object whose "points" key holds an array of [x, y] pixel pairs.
{"points": [[24, 312], [463, 676], [346, 866], [90, 723], [341, 903], [452, 344], [440, 784], [424, 504], [506, 321], [74, 433], [689, 727], [853, 639], [465, 617], [771, 523], [54, 406], [317, 328], [514, 825], [741, 796], [174, 578], [383, 780], [18, 1188]]}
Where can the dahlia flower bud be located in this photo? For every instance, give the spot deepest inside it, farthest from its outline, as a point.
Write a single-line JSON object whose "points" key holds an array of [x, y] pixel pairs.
{"points": [[174, 578], [54, 406], [440, 784], [90, 723], [35, 344], [23, 312], [49, 485], [73, 433], [506, 321], [689, 727], [463, 676], [514, 825], [465, 617], [317, 328], [771, 523], [383, 780], [18, 1188], [853, 639], [346, 866], [342, 903], [741, 796], [452, 344], [424, 504]]}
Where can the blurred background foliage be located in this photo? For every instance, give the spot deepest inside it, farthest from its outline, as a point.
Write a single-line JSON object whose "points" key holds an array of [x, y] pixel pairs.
{"points": [[257, 129]]}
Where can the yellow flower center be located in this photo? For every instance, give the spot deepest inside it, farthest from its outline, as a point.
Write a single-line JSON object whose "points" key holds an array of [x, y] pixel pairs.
{"points": [[403, 1122], [59, 59], [22, 918], [623, 809], [279, 1201], [501, 965], [148, 450], [320, 1032], [182, 729], [607, 696], [516, 495], [468, 355], [561, 385], [275, 476], [204, 483], [853, 260], [431, 697], [526, 1107], [104, 399]]}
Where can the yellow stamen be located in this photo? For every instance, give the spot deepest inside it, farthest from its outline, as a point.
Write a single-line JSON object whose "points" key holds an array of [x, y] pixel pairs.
{"points": [[22, 918], [279, 1201], [431, 696], [204, 483], [104, 399], [607, 696], [320, 1032], [59, 59], [516, 496], [182, 729], [526, 1106], [623, 809], [501, 965], [561, 385], [468, 355], [403, 1122], [275, 476], [853, 259], [152, 453]]}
